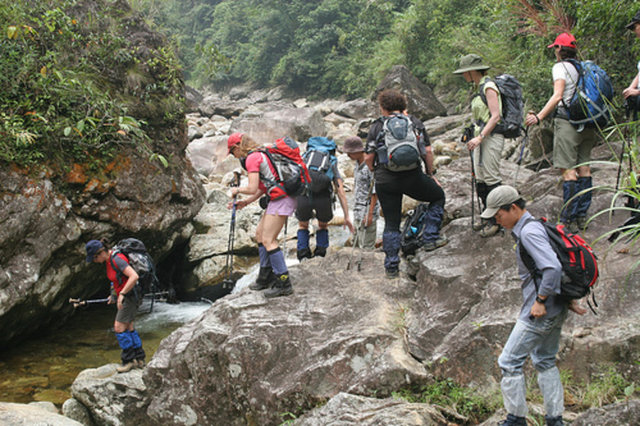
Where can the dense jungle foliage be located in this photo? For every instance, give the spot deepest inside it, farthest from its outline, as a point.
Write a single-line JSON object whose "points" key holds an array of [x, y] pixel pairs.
{"points": [[344, 47], [78, 82]]}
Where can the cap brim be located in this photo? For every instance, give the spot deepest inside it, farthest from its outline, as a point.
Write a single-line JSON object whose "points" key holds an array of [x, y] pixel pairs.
{"points": [[630, 25], [551, 45], [489, 212], [90, 258]]}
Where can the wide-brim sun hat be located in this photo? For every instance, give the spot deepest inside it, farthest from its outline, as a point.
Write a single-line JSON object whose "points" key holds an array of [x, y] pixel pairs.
{"points": [[564, 39], [634, 20], [471, 62], [500, 196], [352, 145]]}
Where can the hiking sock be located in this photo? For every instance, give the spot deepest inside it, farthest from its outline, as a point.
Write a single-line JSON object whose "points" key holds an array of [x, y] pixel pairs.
{"points": [[137, 345], [584, 200], [278, 263], [126, 345], [481, 188], [322, 238], [303, 239], [264, 257], [391, 247], [432, 223], [568, 213]]}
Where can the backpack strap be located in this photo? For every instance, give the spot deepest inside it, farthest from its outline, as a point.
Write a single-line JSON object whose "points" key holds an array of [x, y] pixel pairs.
{"points": [[119, 273], [526, 258], [578, 67]]}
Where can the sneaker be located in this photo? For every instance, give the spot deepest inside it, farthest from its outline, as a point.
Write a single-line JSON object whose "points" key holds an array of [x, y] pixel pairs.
{"points": [[282, 287], [124, 368], [581, 221], [320, 252], [437, 243], [478, 226], [266, 278], [139, 363], [392, 273], [489, 230], [512, 420]]}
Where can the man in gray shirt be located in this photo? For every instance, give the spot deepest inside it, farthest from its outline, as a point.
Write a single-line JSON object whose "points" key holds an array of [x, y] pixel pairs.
{"points": [[537, 330]]}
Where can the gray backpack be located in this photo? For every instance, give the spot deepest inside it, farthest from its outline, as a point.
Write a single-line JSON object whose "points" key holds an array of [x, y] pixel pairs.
{"points": [[398, 150]]}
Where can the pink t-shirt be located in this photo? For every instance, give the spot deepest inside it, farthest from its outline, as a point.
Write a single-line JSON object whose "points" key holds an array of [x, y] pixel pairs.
{"points": [[256, 163]]}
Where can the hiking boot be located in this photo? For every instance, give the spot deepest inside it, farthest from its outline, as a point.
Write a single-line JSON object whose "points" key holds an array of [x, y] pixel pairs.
{"points": [[513, 421], [489, 230], [265, 279], [432, 245], [581, 221], [139, 363], [554, 421], [124, 368], [391, 273], [304, 253], [320, 251], [478, 226], [281, 287]]}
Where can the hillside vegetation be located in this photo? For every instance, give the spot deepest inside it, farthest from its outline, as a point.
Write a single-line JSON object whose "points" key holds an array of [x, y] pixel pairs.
{"points": [[343, 47]]}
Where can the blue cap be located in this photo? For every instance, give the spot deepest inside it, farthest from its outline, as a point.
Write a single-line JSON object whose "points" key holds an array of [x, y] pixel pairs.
{"points": [[92, 247]]}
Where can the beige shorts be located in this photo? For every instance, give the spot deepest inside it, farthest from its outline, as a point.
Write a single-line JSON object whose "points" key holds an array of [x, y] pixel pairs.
{"points": [[571, 148]]}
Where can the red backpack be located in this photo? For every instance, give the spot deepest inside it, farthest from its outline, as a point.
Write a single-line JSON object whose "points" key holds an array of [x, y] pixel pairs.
{"points": [[579, 262], [292, 176]]}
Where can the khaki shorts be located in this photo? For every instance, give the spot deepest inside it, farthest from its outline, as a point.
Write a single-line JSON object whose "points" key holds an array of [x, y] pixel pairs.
{"points": [[571, 148], [129, 309]]}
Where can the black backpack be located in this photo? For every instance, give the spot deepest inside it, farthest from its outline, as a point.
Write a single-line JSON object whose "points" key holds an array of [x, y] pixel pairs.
{"points": [[579, 262], [512, 105], [141, 262], [412, 229]]}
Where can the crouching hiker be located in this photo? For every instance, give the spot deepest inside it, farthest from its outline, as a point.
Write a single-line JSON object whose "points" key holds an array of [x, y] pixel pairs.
{"points": [[539, 324], [273, 274], [397, 145], [123, 294], [365, 208]]}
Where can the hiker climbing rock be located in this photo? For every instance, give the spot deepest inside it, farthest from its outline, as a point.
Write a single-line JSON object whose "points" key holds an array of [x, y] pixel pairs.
{"points": [[279, 172], [539, 324], [488, 132], [123, 279], [571, 145], [365, 204], [397, 145], [322, 163]]}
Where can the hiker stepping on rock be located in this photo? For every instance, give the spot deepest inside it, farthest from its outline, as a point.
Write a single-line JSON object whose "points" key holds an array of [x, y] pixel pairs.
{"points": [[267, 167], [572, 144], [488, 136], [123, 280], [320, 158], [397, 145], [543, 312]]}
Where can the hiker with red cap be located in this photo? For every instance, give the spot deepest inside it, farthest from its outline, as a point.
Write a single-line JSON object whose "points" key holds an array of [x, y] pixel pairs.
{"points": [[263, 179], [571, 146]]}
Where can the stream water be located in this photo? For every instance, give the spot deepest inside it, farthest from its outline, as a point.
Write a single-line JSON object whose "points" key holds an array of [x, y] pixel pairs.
{"points": [[43, 368]]}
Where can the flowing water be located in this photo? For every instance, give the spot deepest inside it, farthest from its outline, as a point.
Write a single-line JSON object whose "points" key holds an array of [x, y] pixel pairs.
{"points": [[43, 368]]}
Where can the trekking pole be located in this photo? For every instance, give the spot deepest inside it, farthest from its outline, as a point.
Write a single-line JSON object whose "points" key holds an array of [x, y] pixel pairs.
{"points": [[80, 302], [632, 116], [525, 139], [284, 243], [228, 281], [466, 137]]}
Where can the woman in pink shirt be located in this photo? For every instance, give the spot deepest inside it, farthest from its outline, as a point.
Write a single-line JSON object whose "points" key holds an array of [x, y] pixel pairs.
{"points": [[274, 274]]}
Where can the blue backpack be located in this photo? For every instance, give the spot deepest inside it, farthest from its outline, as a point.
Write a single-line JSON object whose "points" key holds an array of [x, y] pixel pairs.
{"points": [[320, 160], [589, 106]]}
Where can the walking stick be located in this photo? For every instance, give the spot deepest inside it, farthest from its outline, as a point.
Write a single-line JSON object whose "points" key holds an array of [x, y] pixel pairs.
{"points": [[525, 139], [466, 137], [228, 281], [357, 243], [284, 242], [80, 302], [632, 116]]}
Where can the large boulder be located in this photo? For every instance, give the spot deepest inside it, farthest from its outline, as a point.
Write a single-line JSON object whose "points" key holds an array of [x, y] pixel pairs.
{"points": [[621, 413], [205, 153], [31, 414], [422, 102], [266, 127]]}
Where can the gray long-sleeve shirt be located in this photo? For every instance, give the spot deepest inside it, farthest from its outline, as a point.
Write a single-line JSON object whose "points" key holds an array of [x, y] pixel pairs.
{"points": [[534, 239]]}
